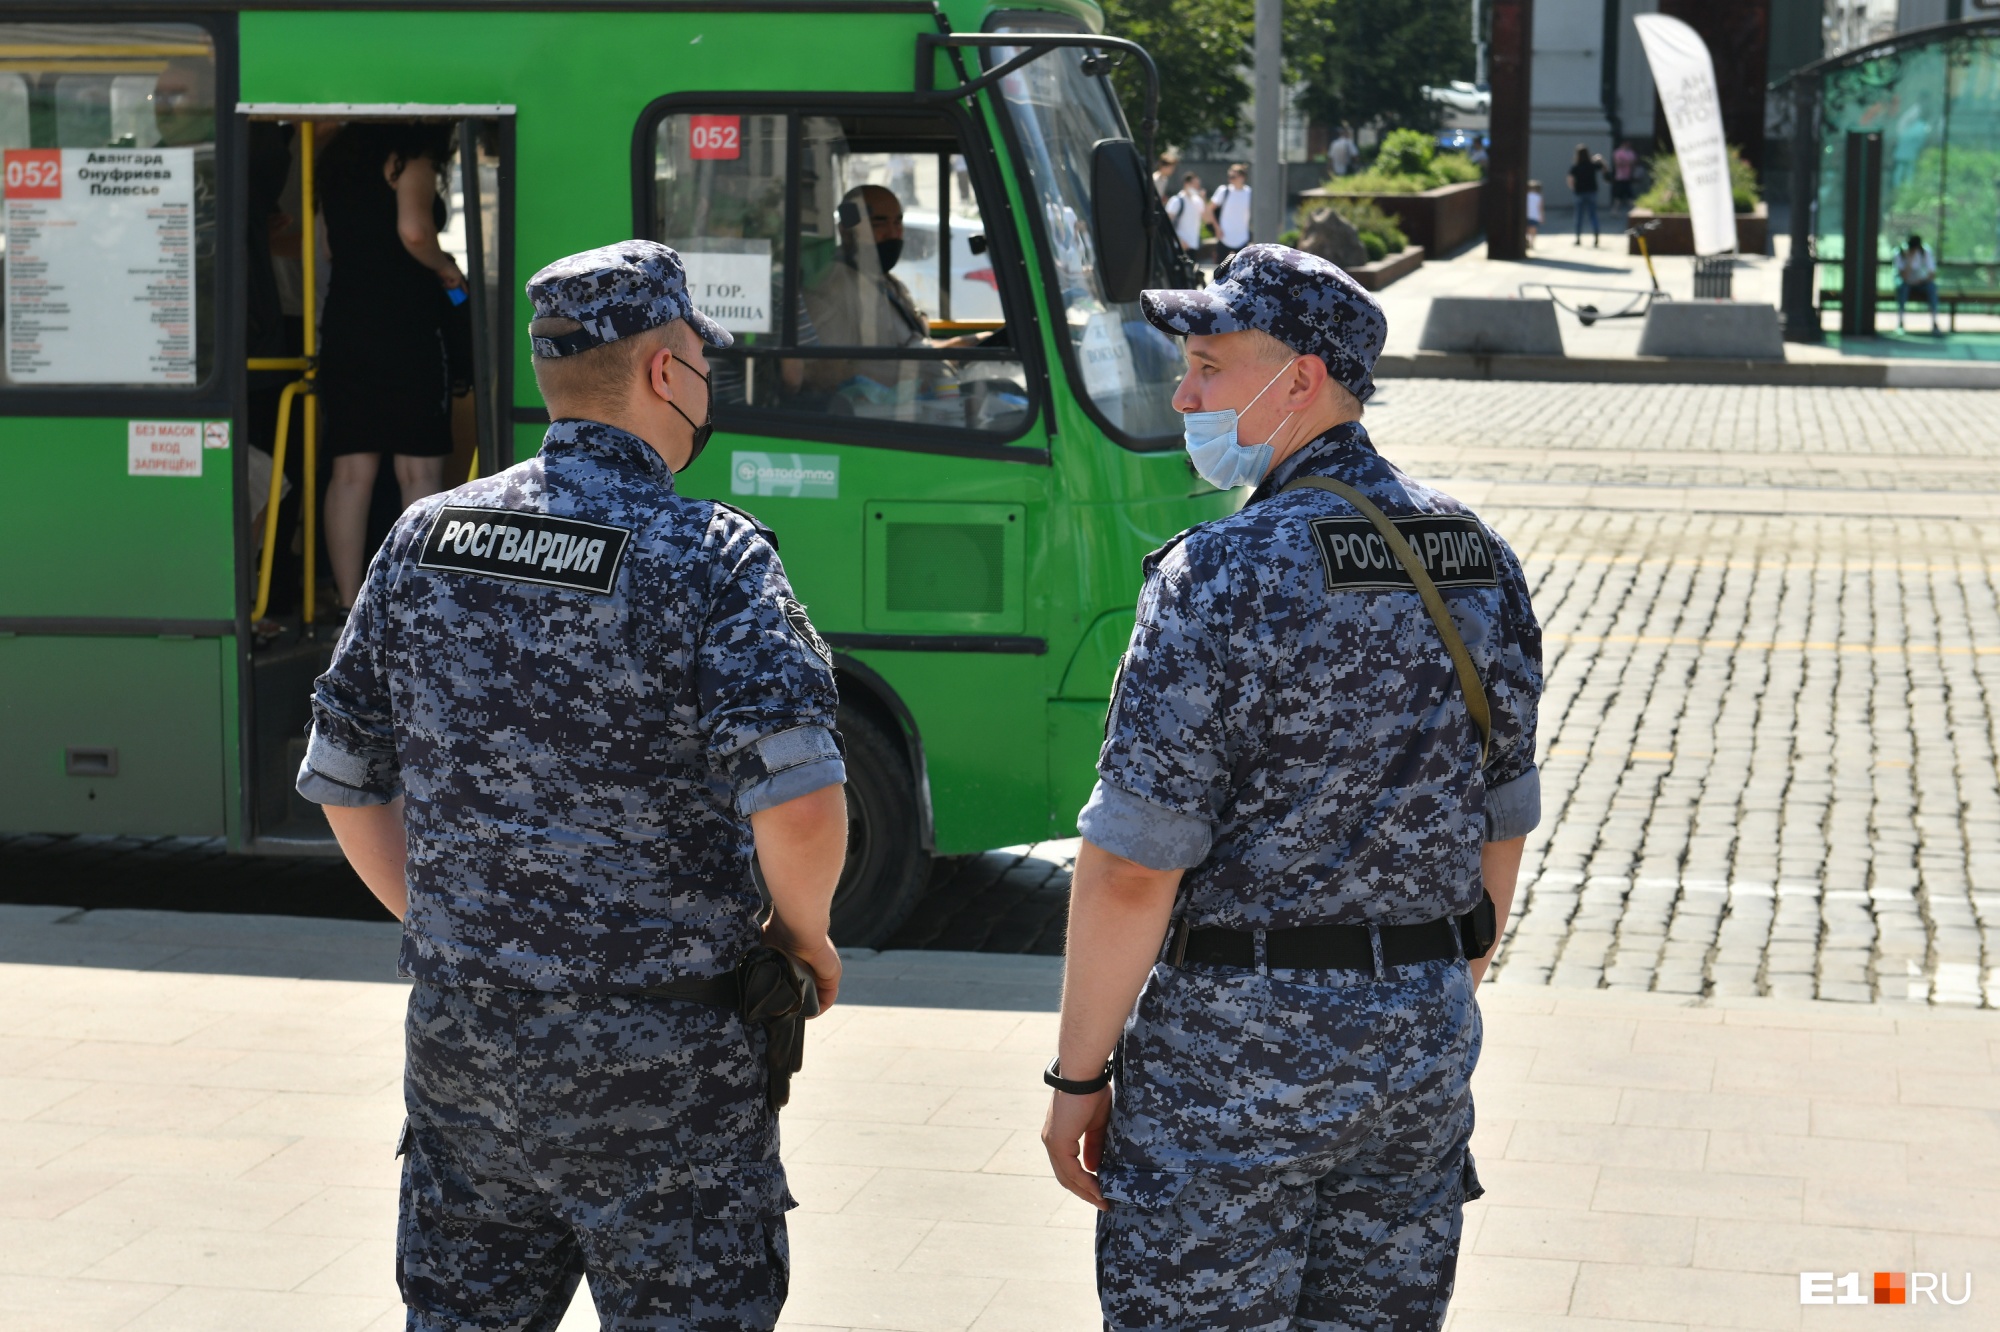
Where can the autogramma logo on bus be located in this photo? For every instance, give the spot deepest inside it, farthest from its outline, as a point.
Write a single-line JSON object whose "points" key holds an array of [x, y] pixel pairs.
{"points": [[1887, 1288]]}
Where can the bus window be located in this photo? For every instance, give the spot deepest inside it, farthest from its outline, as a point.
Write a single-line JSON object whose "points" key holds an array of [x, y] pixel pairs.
{"points": [[107, 231], [891, 311], [1125, 367]]}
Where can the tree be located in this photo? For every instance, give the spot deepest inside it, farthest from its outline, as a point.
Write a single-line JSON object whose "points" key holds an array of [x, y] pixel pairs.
{"points": [[1361, 61], [1370, 64], [1201, 47]]}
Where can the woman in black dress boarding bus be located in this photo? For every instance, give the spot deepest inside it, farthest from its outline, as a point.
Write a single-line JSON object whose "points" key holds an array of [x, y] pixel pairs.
{"points": [[384, 375]]}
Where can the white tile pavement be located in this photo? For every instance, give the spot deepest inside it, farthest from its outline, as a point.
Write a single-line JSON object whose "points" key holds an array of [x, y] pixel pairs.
{"points": [[186, 1148]]}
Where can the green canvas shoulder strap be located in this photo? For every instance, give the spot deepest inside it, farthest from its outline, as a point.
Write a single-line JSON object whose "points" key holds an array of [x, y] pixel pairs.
{"points": [[1468, 674]]}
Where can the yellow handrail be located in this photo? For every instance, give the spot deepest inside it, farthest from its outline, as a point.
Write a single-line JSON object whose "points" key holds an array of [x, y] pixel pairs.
{"points": [[271, 502], [309, 262], [308, 372]]}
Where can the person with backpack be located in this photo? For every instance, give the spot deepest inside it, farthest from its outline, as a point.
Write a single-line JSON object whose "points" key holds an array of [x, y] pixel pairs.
{"points": [[1187, 211], [1232, 213]]}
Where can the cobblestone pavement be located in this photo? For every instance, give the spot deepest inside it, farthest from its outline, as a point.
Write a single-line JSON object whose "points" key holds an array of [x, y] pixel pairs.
{"points": [[1769, 734]]}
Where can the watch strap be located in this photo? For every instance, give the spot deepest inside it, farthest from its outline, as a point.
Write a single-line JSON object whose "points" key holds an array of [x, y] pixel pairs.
{"points": [[1075, 1086]]}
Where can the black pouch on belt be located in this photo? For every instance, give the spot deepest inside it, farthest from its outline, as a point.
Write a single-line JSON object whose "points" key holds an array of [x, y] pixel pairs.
{"points": [[1478, 928], [777, 993]]}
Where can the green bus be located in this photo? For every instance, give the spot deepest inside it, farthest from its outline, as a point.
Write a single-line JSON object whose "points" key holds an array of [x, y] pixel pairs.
{"points": [[963, 488]]}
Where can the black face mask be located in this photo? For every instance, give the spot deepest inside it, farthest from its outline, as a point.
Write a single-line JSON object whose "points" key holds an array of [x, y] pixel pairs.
{"points": [[707, 426], [888, 252]]}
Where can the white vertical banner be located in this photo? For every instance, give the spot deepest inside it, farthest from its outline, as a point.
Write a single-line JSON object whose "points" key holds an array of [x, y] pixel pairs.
{"points": [[1685, 76]]}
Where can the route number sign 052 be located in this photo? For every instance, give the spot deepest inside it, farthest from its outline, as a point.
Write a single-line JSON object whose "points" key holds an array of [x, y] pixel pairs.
{"points": [[715, 138], [34, 173]]}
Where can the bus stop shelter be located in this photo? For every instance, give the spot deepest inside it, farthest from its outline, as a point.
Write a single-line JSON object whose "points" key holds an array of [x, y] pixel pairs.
{"points": [[1896, 138]]}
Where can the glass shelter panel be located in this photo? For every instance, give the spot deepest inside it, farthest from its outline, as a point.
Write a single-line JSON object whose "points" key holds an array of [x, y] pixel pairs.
{"points": [[108, 216], [1937, 107]]}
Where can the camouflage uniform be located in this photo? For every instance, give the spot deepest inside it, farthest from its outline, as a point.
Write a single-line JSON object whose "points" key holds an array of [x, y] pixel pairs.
{"points": [[582, 685], [1288, 1147]]}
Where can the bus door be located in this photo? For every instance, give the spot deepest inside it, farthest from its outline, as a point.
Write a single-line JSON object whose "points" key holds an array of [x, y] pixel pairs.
{"points": [[290, 600]]}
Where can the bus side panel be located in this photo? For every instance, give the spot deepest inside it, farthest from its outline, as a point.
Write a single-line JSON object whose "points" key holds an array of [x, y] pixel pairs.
{"points": [[99, 542], [985, 746], [113, 735]]}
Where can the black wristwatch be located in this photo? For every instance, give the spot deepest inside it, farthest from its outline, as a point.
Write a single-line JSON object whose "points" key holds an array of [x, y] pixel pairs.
{"points": [[1075, 1086]]}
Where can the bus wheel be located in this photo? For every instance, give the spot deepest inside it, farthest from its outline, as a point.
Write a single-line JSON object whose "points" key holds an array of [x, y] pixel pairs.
{"points": [[887, 867]]}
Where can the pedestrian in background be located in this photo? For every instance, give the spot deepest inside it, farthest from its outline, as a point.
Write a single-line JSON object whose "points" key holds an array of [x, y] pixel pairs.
{"points": [[1232, 212], [1163, 172], [1318, 773], [1916, 275], [1583, 174], [1534, 211], [1343, 154], [570, 707], [1624, 164], [1187, 211]]}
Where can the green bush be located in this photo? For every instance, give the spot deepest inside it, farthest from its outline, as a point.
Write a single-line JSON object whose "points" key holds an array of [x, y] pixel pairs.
{"points": [[1668, 195], [1388, 174], [1406, 153], [1377, 248], [1289, 237]]}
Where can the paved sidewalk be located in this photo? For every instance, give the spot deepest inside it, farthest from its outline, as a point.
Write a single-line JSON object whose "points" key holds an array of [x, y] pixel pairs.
{"points": [[1612, 280], [197, 1115]]}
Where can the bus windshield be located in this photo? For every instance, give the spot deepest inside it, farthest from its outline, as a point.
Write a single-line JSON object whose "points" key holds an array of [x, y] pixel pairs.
{"points": [[1126, 367]]}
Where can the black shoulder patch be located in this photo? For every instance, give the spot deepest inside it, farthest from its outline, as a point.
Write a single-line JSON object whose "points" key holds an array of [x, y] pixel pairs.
{"points": [[751, 519], [1451, 547], [527, 547], [802, 627]]}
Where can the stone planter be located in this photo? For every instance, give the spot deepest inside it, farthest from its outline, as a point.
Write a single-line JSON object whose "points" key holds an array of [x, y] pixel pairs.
{"points": [[1381, 272], [1436, 221], [1675, 234]]}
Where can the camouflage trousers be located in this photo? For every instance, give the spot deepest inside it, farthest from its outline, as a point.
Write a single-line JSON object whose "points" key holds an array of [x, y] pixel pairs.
{"points": [[1289, 1150], [554, 1136]]}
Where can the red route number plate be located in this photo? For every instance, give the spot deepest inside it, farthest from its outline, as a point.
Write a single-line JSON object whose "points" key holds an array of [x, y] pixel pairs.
{"points": [[34, 173], [710, 139]]}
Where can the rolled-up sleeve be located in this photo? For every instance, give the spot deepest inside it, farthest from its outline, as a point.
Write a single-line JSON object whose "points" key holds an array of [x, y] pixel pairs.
{"points": [[785, 766], [351, 754], [1165, 764], [1513, 809], [1143, 832], [1514, 690], [765, 680]]}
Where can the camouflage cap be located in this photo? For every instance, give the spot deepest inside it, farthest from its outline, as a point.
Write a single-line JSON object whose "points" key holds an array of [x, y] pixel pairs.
{"points": [[1300, 299], [615, 291]]}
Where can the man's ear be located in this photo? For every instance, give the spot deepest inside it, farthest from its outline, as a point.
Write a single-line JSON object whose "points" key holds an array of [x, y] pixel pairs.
{"points": [[657, 367], [1308, 377]]}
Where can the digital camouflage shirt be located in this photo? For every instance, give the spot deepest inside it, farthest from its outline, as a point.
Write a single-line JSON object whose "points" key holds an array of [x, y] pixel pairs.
{"points": [[1287, 723], [583, 684]]}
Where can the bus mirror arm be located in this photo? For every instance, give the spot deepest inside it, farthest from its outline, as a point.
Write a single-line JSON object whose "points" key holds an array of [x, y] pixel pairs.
{"points": [[1033, 46]]}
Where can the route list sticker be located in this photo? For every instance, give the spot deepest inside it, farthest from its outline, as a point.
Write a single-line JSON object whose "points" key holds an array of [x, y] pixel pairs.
{"points": [[100, 267]]}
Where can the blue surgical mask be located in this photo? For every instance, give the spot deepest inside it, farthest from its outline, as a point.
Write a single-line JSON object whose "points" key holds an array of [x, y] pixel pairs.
{"points": [[1213, 448]]}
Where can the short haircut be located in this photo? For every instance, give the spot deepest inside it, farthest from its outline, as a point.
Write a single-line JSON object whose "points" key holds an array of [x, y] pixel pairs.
{"points": [[1190, 179], [1235, 167], [1275, 351], [598, 379]]}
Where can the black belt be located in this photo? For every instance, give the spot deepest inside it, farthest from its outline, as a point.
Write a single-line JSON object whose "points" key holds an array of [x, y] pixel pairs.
{"points": [[1345, 947], [770, 989]]}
